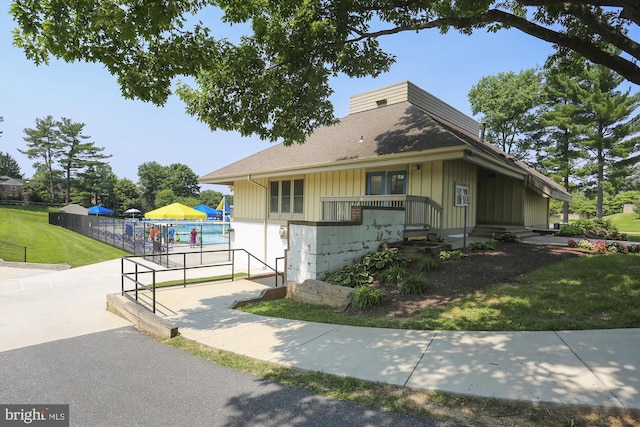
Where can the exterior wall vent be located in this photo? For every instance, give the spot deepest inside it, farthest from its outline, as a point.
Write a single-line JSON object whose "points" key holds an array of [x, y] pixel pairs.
{"points": [[381, 102]]}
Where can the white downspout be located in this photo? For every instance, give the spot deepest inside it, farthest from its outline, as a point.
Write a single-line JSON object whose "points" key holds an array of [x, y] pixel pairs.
{"points": [[266, 215]]}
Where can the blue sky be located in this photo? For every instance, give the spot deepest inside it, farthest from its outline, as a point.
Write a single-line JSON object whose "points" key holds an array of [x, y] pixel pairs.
{"points": [[134, 132]]}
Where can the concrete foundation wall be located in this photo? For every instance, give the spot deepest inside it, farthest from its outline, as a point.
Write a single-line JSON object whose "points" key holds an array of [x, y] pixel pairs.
{"points": [[316, 248]]}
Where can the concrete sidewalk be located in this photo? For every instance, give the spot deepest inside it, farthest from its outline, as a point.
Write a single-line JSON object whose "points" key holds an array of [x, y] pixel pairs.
{"points": [[598, 368]]}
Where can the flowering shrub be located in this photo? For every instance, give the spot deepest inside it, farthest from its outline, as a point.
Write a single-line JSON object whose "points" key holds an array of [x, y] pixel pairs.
{"points": [[593, 229], [602, 247]]}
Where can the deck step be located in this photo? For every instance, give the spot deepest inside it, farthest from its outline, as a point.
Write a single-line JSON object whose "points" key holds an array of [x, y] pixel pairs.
{"points": [[488, 231]]}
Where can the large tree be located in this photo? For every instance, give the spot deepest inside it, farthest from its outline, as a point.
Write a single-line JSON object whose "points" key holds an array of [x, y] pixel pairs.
{"points": [[611, 135], [182, 180], [508, 103], [558, 147], [94, 185], [77, 154], [273, 82], [153, 178], [9, 166], [44, 147], [126, 195]]}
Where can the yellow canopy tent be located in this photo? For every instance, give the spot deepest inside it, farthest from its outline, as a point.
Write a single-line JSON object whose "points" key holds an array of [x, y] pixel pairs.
{"points": [[175, 211]]}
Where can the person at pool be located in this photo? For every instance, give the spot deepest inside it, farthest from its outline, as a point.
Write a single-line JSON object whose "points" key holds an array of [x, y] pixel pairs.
{"points": [[192, 238], [172, 233]]}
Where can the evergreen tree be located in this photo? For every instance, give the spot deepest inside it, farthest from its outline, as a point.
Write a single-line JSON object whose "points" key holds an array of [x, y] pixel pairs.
{"points": [[44, 146], [76, 153], [9, 166], [557, 151], [611, 130]]}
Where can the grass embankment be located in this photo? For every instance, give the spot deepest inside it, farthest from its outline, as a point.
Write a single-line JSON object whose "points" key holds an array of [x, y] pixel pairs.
{"points": [[48, 244], [627, 223], [593, 292]]}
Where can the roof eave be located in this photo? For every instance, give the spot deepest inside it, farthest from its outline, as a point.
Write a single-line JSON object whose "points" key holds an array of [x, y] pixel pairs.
{"points": [[446, 153]]}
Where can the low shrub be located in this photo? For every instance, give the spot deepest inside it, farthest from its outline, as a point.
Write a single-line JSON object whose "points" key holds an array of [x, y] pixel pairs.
{"points": [[366, 297], [352, 276], [393, 274], [506, 237], [429, 264], [593, 229], [604, 247], [571, 230], [414, 285], [451, 255], [489, 245], [586, 244]]}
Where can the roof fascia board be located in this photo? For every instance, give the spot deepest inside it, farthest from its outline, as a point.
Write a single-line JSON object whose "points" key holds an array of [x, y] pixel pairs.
{"points": [[449, 153], [500, 168]]}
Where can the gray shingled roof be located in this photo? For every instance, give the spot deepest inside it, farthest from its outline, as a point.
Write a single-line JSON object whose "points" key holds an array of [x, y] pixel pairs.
{"points": [[390, 130], [394, 129], [7, 180]]}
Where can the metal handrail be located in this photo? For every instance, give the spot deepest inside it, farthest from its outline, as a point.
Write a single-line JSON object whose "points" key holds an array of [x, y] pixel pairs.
{"points": [[135, 276]]}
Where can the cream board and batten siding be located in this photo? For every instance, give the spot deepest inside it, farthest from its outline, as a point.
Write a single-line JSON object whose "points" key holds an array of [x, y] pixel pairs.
{"points": [[501, 200], [536, 210], [427, 181], [346, 182], [249, 199], [458, 172]]}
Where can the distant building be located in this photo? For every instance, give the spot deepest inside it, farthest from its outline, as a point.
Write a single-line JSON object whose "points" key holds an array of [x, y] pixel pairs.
{"points": [[10, 188]]}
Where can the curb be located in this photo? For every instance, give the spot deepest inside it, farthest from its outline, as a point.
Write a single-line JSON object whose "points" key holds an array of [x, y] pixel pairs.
{"points": [[141, 318]]}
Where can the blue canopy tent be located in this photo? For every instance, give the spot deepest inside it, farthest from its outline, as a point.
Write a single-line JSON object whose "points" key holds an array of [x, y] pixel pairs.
{"points": [[97, 210], [211, 213]]}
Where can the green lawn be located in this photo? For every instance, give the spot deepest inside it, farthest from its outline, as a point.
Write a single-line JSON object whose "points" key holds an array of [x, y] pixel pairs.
{"points": [[593, 292], [49, 244], [627, 223]]}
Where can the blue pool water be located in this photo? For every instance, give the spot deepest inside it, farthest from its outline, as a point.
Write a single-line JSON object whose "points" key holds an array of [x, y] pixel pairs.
{"points": [[211, 234]]}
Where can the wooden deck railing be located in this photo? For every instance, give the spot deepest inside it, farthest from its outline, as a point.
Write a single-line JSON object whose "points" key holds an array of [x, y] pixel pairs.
{"points": [[420, 212]]}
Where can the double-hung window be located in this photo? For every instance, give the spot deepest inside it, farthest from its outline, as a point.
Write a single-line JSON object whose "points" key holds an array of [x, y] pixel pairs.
{"points": [[393, 182], [286, 197]]}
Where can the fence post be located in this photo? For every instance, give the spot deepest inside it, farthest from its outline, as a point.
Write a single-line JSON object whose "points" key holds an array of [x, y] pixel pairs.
{"points": [[153, 274]]}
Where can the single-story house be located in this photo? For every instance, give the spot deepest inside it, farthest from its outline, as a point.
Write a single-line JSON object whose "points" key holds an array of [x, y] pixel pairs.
{"points": [[401, 161]]}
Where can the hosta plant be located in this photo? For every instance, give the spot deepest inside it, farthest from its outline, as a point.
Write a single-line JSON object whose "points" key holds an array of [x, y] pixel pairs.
{"points": [[383, 258], [350, 275]]}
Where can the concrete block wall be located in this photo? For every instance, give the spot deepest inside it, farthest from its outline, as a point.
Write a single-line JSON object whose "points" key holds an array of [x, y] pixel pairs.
{"points": [[316, 248]]}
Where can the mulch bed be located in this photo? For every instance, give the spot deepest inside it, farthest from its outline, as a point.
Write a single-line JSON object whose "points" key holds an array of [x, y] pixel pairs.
{"points": [[457, 278]]}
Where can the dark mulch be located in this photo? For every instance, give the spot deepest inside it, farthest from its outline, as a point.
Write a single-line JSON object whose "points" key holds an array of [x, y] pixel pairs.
{"points": [[457, 278]]}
